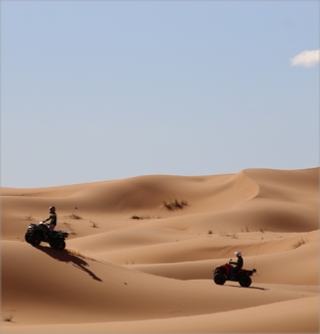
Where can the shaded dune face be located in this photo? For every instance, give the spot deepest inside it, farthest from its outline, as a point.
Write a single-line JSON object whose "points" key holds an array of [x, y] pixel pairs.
{"points": [[141, 252]]}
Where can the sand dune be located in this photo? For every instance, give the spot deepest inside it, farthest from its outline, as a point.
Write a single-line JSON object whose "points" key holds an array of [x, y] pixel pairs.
{"points": [[141, 252]]}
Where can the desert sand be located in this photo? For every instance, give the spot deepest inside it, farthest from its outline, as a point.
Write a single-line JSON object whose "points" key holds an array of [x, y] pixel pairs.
{"points": [[141, 252]]}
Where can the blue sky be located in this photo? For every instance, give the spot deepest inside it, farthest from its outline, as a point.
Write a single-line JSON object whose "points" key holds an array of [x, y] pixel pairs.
{"points": [[103, 90]]}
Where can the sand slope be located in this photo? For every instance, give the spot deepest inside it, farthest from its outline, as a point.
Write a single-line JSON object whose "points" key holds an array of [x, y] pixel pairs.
{"points": [[154, 273]]}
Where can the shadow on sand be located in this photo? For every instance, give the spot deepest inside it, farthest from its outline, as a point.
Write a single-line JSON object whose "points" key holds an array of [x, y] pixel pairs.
{"points": [[66, 257], [250, 287]]}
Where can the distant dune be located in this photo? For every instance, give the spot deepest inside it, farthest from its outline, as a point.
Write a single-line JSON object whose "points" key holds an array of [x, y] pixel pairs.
{"points": [[141, 252]]}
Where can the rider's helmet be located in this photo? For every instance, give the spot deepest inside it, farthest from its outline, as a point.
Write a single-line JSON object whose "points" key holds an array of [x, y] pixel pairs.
{"points": [[238, 253], [52, 208]]}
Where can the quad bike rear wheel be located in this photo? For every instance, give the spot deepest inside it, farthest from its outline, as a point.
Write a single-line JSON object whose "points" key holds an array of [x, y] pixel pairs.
{"points": [[59, 244], [245, 281], [219, 278]]}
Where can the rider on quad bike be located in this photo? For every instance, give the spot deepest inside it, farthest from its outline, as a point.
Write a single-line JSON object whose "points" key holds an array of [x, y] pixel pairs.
{"points": [[227, 272], [52, 218], [238, 264], [37, 233]]}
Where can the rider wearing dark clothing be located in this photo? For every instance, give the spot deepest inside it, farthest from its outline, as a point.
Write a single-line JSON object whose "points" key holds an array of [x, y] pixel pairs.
{"points": [[238, 264], [52, 218]]}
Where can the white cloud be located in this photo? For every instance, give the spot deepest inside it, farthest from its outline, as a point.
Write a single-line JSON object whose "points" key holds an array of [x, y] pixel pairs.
{"points": [[306, 58]]}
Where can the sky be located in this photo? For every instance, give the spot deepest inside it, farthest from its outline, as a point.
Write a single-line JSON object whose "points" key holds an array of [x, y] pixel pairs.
{"points": [[106, 90]]}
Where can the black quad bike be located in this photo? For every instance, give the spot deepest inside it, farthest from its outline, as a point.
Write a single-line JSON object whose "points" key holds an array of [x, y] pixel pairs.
{"points": [[40, 232], [223, 273]]}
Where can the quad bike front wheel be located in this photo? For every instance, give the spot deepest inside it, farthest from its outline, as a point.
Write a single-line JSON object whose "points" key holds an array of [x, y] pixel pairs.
{"points": [[245, 281], [35, 239], [27, 238], [219, 278]]}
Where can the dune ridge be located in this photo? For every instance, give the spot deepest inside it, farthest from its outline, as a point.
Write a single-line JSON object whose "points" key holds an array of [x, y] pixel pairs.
{"points": [[138, 260]]}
